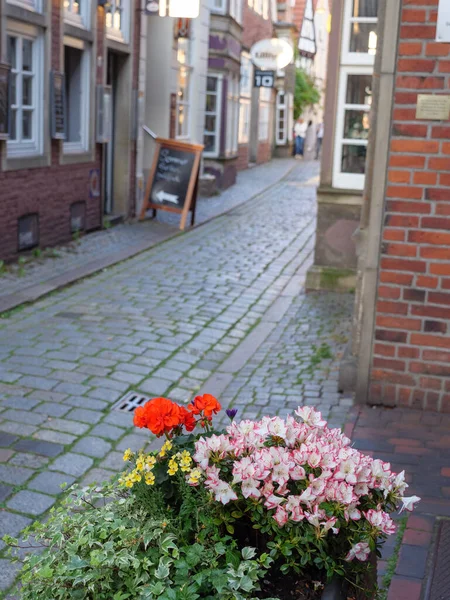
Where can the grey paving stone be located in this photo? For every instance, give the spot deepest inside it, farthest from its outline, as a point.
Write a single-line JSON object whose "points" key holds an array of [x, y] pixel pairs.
{"points": [[108, 395], [86, 416], [44, 448], [97, 476], [73, 464], [133, 441], [155, 387], [19, 403], [7, 439], [57, 437], [92, 446], [52, 409], [12, 524], [38, 383], [15, 427], [22, 416], [105, 430], [50, 482], [129, 378], [29, 502], [5, 491], [67, 426], [14, 475], [114, 462], [75, 389], [8, 573], [33, 461], [119, 419], [86, 402]]}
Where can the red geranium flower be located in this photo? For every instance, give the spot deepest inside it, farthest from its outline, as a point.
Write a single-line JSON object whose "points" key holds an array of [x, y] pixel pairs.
{"points": [[206, 404], [160, 415]]}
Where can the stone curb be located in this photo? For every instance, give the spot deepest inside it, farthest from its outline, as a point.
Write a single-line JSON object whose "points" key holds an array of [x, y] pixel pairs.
{"points": [[37, 291]]}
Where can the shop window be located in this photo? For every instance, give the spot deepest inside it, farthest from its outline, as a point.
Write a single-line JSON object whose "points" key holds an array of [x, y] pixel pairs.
{"points": [[26, 94], [264, 114], [211, 138], [281, 118], [78, 217], [28, 231], [118, 19], [246, 86], [77, 82], [352, 127], [360, 32], [76, 12], [232, 115]]}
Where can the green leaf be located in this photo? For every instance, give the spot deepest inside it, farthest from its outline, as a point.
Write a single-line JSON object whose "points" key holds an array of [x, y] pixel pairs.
{"points": [[77, 563], [46, 572], [163, 571], [248, 553]]}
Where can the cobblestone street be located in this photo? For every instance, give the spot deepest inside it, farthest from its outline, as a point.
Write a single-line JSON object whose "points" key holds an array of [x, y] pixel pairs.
{"points": [[220, 309]]}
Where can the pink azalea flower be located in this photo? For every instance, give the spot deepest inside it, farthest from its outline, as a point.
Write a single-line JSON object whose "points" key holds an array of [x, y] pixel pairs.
{"points": [[361, 551], [250, 488], [223, 492], [281, 516], [310, 416], [408, 503]]}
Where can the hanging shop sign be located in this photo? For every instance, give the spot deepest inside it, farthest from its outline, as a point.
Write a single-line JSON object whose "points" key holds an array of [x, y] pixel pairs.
{"points": [[4, 101], [263, 78], [273, 54], [443, 22], [180, 9], [173, 181]]}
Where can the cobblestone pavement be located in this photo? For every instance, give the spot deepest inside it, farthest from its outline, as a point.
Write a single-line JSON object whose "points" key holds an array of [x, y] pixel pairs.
{"points": [[127, 236], [419, 443], [221, 308]]}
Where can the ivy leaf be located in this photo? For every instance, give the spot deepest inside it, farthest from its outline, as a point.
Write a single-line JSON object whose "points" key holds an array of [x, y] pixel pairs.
{"points": [[77, 563], [162, 572], [248, 553]]}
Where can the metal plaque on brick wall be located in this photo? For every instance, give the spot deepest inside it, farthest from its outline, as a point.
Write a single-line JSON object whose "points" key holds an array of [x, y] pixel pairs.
{"points": [[58, 106], [443, 22], [263, 78], [4, 101], [433, 107]]}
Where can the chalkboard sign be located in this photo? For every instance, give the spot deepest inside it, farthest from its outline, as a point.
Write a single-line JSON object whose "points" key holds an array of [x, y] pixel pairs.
{"points": [[58, 106], [172, 184], [4, 101]]}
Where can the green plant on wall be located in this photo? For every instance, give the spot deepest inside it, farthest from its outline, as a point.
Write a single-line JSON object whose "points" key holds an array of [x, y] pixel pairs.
{"points": [[306, 92]]}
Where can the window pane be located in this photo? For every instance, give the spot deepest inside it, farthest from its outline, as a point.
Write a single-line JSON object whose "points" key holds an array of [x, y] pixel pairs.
{"points": [[13, 89], [211, 84], [13, 131], [67, 5], [356, 125], [27, 91], [76, 7], [353, 159], [109, 19], [209, 141], [27, 116], [117, 19], [210, 123], [363, 38], [365, 8], [183, 83], [359, 89], [27, 55], [74, 92], [211, 103], [12, 46]]}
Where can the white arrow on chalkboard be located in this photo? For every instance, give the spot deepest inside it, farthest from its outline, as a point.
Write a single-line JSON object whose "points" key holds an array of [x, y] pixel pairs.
{"points": [[161, 195]]}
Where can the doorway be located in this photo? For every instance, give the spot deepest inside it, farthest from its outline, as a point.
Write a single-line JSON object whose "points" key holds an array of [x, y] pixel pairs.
{"points": [[112, 75]]}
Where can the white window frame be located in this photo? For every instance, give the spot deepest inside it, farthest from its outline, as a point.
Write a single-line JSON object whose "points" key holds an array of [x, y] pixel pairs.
{"points": [[236, 10], [33, 147], [217, 113], [231, 142], [184, 65], [281, 136], [218, 6], [354, 58], [81, 146], [347, 180], [265, 9], [79, 20], [122, 34]]}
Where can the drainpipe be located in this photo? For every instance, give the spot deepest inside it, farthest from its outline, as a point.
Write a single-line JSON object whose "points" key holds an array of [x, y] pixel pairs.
{"points": [[140, 116]]}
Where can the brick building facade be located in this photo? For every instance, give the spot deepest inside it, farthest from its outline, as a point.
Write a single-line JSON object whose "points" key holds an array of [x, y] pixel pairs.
{"points": [[402, 334], [51, 188]]}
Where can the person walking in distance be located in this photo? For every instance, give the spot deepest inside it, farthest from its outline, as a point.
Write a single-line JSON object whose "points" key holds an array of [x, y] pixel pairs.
{"points": [[300, 134], [319, 139]]}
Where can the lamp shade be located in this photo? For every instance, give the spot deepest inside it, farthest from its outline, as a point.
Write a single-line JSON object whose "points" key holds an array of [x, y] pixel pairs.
{"points": [[184, 9]]}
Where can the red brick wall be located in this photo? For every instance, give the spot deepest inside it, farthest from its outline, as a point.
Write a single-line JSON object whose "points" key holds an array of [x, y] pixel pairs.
{"points": [[264, 152], [255, 27], [243, 157], [411, 354]]}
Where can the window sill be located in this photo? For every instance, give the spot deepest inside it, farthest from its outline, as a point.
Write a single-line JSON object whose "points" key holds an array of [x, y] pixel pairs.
{"points": [[21, 12], [116, 35], [16, 163], [74, 158]]}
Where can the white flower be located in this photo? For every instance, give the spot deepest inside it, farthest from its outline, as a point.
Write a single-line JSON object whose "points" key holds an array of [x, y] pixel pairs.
{"points": [[408, 503], [250, 488], [310, 416], [223, 492]]}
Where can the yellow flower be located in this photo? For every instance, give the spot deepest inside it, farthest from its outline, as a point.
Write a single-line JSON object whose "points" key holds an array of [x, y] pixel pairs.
{"points": [[129, 483], [128, 455], [140, 464], [150, 461], [166, 447], [194, 476], [135, 476], [149, 479]]}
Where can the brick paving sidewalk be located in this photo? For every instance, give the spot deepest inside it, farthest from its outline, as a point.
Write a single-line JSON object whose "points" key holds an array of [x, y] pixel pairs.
{"points": [[419, 443], [62, 265]]}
